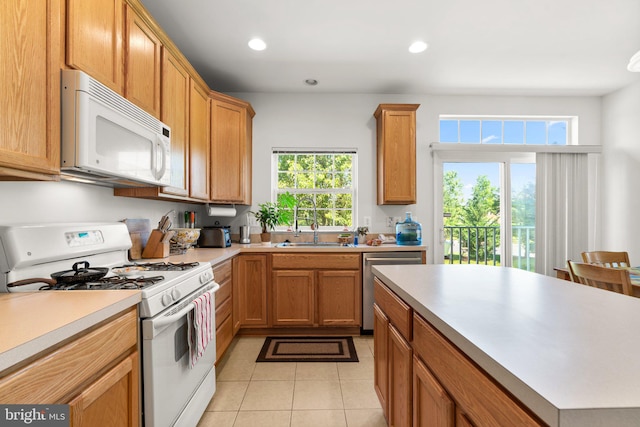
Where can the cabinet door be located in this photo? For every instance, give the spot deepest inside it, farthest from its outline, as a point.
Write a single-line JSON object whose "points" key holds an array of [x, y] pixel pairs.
{"points": [[462, 420], [432, 406], [252, 290], [482, 400], [381, 357], [112, 400], [30, 88], [396, 153], [95, 40], [293, 297], [339, 298], [228, 152], [174, 112], [142, 75], [400, 380], [198, 142]]}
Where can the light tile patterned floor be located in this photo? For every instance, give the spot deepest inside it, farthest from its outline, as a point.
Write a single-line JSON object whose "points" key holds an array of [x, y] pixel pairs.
{"points": [[293, 394]]}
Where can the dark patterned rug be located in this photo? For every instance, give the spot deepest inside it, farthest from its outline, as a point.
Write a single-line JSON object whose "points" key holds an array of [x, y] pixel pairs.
{"points": [[308, 349]]}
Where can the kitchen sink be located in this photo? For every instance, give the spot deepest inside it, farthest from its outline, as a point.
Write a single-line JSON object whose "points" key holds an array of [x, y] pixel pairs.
{"points": [[313, 245]]}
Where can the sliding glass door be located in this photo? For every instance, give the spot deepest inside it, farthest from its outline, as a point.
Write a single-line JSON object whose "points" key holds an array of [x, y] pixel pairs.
{"points": [[485, 209]]}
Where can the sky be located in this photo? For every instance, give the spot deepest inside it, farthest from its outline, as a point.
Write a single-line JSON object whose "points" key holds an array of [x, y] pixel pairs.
{"points": [[529, 132]]}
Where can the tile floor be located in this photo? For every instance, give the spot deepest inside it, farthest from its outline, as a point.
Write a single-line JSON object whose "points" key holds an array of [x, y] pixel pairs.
{"points": [[293, 394]]}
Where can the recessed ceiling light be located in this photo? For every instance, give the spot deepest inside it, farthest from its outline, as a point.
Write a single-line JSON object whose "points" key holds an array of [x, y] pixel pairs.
{"points": [[257, 44], [311, 82], [417, 47]]}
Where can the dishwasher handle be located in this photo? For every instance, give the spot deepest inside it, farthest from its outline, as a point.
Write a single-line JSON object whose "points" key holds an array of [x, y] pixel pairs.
{"points": [[395, 260]]}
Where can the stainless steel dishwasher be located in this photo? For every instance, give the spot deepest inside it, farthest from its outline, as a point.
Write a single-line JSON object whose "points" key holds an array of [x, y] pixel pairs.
{"points": [[379, 258]]}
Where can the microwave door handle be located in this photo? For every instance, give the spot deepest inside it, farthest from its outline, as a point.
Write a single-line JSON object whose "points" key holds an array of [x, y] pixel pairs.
{"points": [[163, 151]]}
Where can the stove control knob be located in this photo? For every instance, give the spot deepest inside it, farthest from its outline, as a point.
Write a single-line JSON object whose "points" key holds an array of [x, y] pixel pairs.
{"points": [[175, 294], [166, 300], [205, 277]]}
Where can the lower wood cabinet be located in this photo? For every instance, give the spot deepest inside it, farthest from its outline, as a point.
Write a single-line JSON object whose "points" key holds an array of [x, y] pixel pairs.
{"points": [[400, 379], [109, 400], [321, 289], [250, 286], [433, 407], [381, 357], [293, 299], [222, 274], [393, 362], [423, 380], [97, 374]]}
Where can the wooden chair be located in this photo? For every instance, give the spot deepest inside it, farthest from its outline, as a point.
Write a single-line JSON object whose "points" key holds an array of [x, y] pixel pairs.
{"points": [[610, 279], [607, 259]]}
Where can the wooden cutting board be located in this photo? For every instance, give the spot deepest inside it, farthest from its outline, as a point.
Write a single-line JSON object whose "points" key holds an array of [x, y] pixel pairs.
{"points": [[139, 230]]}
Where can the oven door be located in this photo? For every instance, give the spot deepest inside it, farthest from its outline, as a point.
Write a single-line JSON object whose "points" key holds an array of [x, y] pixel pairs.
{"points": [[170, 384]]}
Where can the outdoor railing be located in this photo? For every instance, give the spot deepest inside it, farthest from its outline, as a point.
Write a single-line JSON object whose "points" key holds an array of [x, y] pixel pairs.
{"points": [[481, 245]]}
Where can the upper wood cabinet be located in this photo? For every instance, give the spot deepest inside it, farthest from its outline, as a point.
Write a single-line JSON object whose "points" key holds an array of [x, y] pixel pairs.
{"points": [[30, 88], [396, 153], [199, 144], [142, 64], [95, 40], [230, 149], [175, 113]]}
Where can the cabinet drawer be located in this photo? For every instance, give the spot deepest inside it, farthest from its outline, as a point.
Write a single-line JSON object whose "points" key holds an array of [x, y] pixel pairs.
{"points": [[224, 293], [224, 335], [477, 394], [223, 311], [397, 311], [53, 377], [222, 271], [316, 261]]}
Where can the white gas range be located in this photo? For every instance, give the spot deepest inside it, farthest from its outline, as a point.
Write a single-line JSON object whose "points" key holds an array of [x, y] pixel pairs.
{"points": [[93, 256]]}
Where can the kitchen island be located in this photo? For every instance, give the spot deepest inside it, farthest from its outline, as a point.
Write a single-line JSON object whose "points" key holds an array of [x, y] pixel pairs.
{"points": [[567, 352]]}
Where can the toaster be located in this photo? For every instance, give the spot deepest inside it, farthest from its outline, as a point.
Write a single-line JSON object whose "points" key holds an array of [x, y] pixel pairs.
{"points": [[214, 237]]}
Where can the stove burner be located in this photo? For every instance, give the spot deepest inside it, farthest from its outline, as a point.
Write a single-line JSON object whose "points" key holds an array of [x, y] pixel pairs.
{"points": [[164, 266], [113, 282]]}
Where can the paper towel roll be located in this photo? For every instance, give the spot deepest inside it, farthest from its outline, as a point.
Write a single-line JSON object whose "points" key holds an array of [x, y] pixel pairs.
{"points": [[221, 211]]}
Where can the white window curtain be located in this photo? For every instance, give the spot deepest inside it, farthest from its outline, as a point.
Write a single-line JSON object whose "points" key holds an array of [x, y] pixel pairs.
{"points": [[562, 209]]}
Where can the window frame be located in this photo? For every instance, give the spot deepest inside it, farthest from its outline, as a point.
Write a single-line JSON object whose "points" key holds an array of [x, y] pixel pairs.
{"points": [[275, 152]]}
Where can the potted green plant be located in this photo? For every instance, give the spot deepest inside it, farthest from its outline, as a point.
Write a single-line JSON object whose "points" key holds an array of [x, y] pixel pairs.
{"points": [[271, 214]]}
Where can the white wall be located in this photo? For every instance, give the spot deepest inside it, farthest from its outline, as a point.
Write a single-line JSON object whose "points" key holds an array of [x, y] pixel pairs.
{"points": [[346, 120], [47, 202], [621, 172], [308, 120]]}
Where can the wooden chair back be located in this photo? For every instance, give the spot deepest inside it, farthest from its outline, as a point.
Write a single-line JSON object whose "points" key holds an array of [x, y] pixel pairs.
{"points": [[610, 279], [607, 258]]}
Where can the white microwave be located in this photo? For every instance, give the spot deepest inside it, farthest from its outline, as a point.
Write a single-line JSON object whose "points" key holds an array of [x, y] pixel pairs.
{"points": [[108, 140]]}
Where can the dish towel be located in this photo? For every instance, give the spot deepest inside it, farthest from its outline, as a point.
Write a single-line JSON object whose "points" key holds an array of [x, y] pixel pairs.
{"points": [[200, 327]]}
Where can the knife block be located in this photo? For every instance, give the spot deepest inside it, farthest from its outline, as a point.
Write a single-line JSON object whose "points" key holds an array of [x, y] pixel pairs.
{"points": [[156, 246]]}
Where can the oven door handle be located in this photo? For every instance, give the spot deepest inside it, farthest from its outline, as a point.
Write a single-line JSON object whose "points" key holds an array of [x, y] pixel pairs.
{"points": [[164, 321]]}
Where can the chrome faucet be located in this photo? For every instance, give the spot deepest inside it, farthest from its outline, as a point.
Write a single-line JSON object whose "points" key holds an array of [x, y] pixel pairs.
{"points": [[314, 225]]}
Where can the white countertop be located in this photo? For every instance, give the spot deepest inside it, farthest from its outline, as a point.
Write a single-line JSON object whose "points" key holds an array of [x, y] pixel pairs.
{"points": [[217, 255], [568, 352], [32, 322]]}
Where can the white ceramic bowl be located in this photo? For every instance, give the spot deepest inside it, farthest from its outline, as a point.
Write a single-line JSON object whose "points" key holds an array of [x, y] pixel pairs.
{"points": [[185, 237]]}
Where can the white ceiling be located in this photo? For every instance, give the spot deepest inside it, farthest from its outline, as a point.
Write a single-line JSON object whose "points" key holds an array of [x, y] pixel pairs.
{"points": [[524, 47]]}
